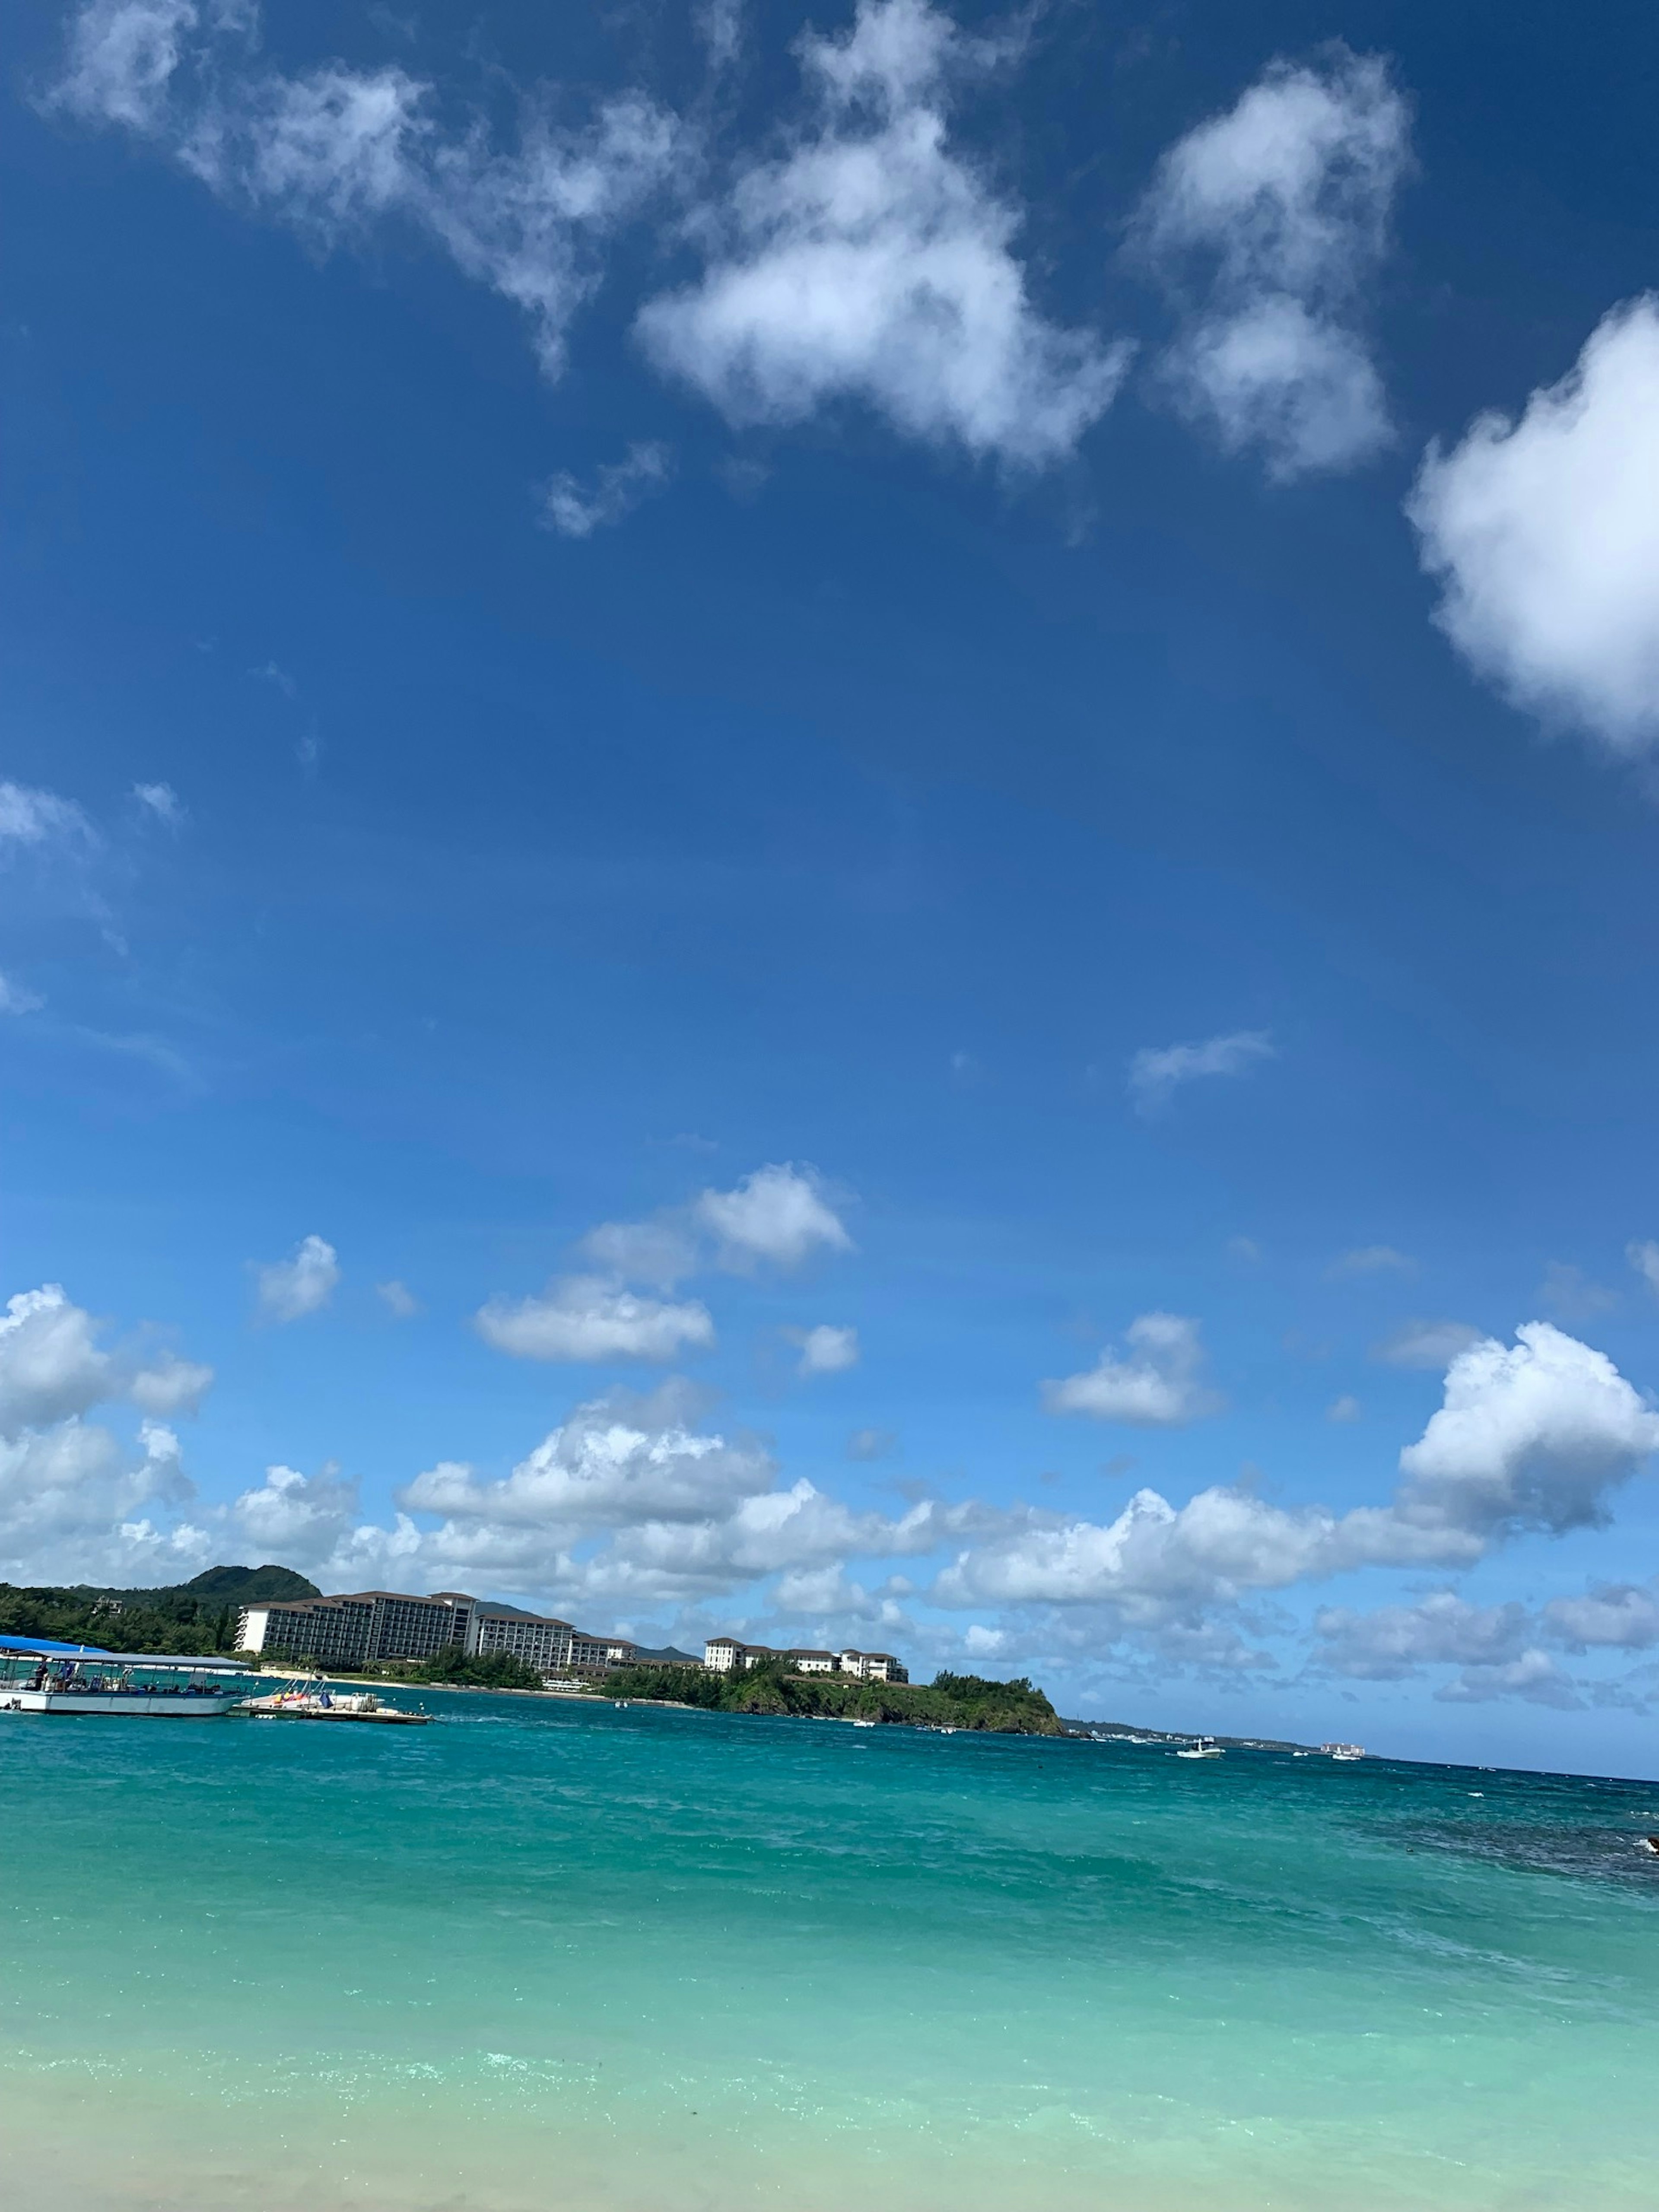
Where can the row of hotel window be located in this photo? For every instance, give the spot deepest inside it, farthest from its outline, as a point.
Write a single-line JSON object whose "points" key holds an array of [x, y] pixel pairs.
{"points": [[373, 1625]]}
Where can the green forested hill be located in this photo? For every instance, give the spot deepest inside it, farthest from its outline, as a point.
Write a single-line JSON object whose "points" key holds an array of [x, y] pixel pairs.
{"points": [[197, 1616]]}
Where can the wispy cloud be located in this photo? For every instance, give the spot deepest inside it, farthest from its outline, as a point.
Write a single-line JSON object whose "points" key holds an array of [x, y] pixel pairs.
{"points": [[289, 1289], [614, 493], [1158, 1070]]}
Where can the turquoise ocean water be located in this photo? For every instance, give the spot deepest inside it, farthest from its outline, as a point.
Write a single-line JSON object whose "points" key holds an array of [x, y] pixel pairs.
{"points": [[580, 1959]]}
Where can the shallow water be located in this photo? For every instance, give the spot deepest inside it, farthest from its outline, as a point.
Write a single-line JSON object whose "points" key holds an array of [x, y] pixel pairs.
{"points": [[562, 1956]]}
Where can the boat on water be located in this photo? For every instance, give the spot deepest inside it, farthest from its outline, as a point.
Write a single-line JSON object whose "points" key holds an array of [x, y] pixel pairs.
{"points": [[40, 1675], [1203, 1746], [312, 1700], [1343, 1750]]}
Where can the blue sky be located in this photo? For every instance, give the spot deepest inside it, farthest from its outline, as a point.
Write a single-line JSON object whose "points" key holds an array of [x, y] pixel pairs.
{"points": [[842, 825]]}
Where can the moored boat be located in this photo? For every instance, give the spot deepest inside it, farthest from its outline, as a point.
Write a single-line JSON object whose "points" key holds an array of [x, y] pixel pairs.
{"points": [[40, 1675], [313, 1700]]}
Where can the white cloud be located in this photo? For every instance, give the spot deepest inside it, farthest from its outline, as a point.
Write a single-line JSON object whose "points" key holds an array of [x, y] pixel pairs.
{"points": [[1544, 533], [615, 1461], [779, 1213], [1426, 1344], [171, 1386], [1343, 1409], [162, 800], [873, 262], [335, 149], [1156, 1071], [399, 1301], [1534, 1677], [122, 56], [65, 1492], [1443, 1629], [1373, 1260], [30, 817], [15, 999], [289, 1289], [585, 1317], [1644, 1258], [51, 1366], [617, 490], [298, 1519], [1617, 1616], [825, 1350], [1159, 1385], [1530, 1436], [1286, 199]]}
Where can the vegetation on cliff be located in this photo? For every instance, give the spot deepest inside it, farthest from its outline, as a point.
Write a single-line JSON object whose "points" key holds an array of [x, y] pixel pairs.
{"points": [[963, 1701]]}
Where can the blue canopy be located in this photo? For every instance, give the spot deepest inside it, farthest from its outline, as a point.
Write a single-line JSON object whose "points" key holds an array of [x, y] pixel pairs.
{"points": [[46, 1648]]}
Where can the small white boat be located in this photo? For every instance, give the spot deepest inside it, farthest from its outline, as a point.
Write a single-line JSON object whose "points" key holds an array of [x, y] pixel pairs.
{"points": [[79, 1680], [1203, 1746], [313, 1700], [1343, 1750]]}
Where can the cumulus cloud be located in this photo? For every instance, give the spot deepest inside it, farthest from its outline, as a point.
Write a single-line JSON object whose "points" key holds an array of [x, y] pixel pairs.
{"points": [[301, 1520], [1534, 1677], [50, 1366], [825, 1350], [1543, 532], [1426, 1344], [614, 493], [171, 1386], [1393, 1641], [1158, 1070], [399, 1301], [872, 262], [1611, 1616], [1159, 1384], [335, 150], [289, 1289], [586, 1317], [68, 1493], [780, 1214], [1532, 1435], [615, 1460], [683, 1514], [1284, 200]]}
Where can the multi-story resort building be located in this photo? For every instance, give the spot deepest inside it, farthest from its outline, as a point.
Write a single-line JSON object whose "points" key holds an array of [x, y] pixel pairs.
{"points": [[725, 1655], [367, 1625]]}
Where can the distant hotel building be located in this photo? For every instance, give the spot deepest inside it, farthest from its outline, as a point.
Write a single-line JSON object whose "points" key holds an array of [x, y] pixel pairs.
{"points": [[355, 1630], [725, 1656]]}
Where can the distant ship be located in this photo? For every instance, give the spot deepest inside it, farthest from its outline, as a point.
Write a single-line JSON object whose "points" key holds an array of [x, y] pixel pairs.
{"points": [[1343, 1750]]}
